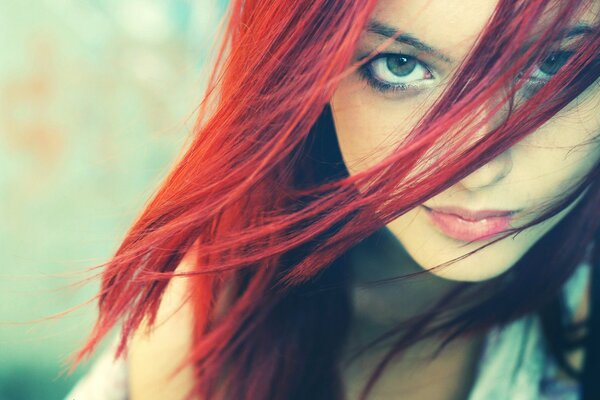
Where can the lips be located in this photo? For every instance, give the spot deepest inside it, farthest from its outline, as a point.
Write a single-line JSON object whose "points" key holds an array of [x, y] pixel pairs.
{"points": [[472, 215], [468, 225]]}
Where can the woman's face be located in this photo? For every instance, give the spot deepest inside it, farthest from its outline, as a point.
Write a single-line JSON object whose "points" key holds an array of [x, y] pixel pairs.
{"points": [[375, 108]]}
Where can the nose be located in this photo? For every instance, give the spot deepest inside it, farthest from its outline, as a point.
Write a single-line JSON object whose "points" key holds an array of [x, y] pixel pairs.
{"points": [[499, 167], [489, 174]]}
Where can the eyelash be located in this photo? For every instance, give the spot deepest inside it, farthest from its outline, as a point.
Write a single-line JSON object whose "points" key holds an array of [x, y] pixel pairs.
{"points": [[367, 72]]}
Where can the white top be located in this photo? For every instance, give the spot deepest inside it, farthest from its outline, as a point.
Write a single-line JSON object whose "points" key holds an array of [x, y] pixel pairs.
{"points": [[512, 365]]}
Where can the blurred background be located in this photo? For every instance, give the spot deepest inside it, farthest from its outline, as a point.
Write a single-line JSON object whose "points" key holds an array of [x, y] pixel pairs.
{"points": [[96, 99]]}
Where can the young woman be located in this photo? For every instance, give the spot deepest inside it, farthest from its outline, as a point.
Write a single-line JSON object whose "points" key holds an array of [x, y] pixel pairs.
{"points": [[391, 199]]}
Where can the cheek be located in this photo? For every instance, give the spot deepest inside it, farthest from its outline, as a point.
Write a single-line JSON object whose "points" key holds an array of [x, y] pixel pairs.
{"points": [[369, 126], [563, 150], [576, 123]]}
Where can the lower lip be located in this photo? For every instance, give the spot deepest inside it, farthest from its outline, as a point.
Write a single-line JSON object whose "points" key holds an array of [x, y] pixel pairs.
{"points": [[468, 231]]}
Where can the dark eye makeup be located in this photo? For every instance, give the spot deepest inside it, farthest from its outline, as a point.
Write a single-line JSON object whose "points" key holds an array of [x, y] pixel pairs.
{"points": [[393, 72], [398, 72]]}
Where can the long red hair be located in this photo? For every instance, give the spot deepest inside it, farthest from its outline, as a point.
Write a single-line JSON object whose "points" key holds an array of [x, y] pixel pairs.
{"points": [[262, 197]]}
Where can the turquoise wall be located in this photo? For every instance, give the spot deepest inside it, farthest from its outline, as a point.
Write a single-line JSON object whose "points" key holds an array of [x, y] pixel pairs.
{"points": [[96, 98]]}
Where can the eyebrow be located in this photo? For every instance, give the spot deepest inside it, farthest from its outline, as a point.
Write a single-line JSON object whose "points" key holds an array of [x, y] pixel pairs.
{"points": [[579, 29], [379, 28]]}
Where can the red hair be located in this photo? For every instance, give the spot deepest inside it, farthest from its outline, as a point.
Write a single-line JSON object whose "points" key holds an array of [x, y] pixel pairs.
{"points": [[262, 197]]}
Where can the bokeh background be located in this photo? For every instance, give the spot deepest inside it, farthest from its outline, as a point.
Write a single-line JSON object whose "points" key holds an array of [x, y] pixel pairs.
{"points": [[96, 99]]}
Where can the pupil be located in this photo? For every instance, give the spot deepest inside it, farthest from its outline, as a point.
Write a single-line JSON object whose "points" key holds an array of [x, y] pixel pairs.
{"points": [[554, 62], [401, 65]]}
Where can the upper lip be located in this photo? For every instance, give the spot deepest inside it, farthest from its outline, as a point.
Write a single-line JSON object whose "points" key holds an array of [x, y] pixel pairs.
{"points": [[470, 215]]}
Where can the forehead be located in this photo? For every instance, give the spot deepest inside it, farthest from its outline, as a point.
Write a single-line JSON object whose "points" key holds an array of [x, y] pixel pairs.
{"points": [[450, 25]]}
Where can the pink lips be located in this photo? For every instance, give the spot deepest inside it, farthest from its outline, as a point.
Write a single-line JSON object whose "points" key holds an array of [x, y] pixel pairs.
{"points": [[467, 225]]}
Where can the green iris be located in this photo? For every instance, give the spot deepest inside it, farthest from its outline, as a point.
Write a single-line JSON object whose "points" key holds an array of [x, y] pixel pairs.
{"points": [[401, 65], [554, 62]]}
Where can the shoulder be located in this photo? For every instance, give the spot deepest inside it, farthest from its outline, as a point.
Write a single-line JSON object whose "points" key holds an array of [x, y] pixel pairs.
{"points": [[154, 354]]}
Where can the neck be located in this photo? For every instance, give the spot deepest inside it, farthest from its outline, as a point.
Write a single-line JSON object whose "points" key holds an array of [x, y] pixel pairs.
{"points": [[377, 308]]}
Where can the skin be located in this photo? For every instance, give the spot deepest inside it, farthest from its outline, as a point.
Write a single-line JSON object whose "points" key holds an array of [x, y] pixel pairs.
{"points": [[370, 123]]}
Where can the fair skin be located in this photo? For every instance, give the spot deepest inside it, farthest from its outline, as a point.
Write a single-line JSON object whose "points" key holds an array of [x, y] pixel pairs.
{"points": [[153, 355], [368, 123]]}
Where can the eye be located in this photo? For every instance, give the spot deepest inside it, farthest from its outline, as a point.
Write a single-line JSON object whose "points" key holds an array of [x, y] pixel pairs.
{"points": [[551, 65], [543, 71], [391, 72]]}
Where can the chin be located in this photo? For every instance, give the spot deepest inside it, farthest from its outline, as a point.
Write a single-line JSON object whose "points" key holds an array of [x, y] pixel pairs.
{"points": [[487, 263], [467, 273], [430, 248]]}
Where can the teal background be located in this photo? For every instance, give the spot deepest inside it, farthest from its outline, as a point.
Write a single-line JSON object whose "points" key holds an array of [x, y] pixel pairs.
{"points": [[96, 100]]}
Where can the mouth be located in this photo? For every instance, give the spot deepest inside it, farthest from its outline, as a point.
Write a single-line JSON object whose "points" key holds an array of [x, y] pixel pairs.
{"points": [[467, 225]]}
